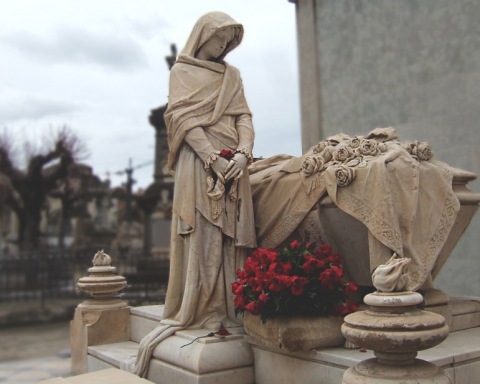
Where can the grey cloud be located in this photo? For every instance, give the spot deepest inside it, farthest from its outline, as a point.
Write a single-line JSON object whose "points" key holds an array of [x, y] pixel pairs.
{"points": [[33, 107], [79, 46], [148, 28]]}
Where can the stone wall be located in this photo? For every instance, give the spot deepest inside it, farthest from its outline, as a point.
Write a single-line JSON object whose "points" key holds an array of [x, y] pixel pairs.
{"points": [[414, 65]]}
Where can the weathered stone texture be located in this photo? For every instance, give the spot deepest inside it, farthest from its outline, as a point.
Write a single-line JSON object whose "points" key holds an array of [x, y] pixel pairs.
{"points": [[414, 65]]}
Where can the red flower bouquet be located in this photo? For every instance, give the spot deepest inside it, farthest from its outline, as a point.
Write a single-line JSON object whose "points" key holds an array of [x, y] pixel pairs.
{"points": [[297, 280]]}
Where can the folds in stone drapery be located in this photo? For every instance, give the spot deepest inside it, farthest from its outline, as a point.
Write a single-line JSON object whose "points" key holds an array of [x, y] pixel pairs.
{"points": [[407, 204]]}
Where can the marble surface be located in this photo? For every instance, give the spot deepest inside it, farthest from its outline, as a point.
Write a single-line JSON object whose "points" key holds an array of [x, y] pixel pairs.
{"points": [[140, 327], [121, 355], [154, 312], [414, 65]]}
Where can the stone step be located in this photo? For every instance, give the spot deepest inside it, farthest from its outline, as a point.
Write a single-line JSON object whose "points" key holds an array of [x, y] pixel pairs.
{"points": [[143, 320], [109, 376], [123, 354], [466, 312], [118, 355]]}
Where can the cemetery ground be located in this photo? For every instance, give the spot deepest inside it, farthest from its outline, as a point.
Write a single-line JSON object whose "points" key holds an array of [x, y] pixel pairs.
{"points": [[33, 352]]}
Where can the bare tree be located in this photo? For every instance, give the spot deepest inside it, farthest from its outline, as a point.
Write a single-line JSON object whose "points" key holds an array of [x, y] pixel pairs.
{"points": [[31, 186]]}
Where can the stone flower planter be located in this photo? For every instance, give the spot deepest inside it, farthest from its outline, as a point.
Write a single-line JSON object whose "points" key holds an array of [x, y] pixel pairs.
{"points": [[297, 333]]}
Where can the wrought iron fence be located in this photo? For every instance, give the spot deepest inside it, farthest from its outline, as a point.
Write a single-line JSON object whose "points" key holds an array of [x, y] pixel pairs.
{"points": [[48, 275]]}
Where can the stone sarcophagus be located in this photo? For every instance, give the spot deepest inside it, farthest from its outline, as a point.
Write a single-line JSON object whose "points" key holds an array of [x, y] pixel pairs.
{"points": [[351, 238], [368, 197]]}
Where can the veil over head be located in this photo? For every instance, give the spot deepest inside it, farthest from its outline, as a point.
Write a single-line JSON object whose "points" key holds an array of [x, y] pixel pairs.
{"points": [[206, 27]]}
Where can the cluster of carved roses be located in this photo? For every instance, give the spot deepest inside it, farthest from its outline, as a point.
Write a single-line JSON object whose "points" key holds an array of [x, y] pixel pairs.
{"points": [[312, 165], [420, 150], [343, 154], [345, 175]]}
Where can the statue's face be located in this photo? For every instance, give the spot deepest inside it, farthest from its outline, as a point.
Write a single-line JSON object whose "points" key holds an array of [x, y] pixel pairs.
{"points": [[215, 46]]}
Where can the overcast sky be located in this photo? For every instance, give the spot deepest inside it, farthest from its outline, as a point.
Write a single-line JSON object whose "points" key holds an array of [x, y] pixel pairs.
{"points": [[99, 67]]}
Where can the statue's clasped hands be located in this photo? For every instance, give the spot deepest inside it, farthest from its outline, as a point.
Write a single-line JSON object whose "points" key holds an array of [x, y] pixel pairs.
{"points": [[235, 167], [229, 169]]}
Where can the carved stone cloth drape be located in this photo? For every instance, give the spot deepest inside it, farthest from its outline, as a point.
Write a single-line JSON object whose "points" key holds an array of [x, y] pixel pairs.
{"points": [[407, 205], [206, 249]]}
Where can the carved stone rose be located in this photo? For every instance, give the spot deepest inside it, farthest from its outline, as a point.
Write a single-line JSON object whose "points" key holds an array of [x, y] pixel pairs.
{"points": [[343, 154], [345, 175], [312, 165], [368, 147], [421, 150], [354, 142], [424, 152]]}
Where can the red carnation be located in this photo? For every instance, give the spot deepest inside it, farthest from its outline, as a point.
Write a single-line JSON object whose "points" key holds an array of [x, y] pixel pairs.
{"points": [[338, 272], [263, 298], [352, 306], [297, 285], [239, 302], [295, 244], [335, 258], [227, 154], [280, 268], [279, 283], [323, 251], [327, 278], [254, 308], [351, 287], [312, 265], [223, 332], [237, 288]]}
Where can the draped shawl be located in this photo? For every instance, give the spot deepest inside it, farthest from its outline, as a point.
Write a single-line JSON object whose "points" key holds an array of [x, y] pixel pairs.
{"points": [[201, 92], [209, 95]]}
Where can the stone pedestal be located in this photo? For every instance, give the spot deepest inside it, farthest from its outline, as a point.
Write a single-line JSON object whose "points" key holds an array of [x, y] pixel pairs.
{"points": [[181, 358], [227, 360], [395, 329], [101, 320]]}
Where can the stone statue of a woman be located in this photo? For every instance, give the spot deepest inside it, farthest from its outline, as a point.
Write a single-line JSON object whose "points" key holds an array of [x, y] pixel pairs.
{"points": [[212, 224]]}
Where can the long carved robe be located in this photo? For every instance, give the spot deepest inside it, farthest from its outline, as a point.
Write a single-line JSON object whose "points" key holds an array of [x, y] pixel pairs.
{"points": [[210, 232]]}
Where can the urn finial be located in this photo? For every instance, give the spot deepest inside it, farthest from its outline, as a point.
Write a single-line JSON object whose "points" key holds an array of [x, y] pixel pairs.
{"points": [[102, 283], [392, 276], [101, 259]]}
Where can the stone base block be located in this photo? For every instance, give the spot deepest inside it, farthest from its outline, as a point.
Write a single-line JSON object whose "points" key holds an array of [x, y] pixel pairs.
{"points": [[206, 360], [93, 327], [106, 376], [465, 312], [370, 371], [460, 312], [458, 356], [161, 372]]}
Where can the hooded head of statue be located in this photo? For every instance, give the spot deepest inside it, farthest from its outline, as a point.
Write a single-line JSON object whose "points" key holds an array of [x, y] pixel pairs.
{"points": [[214, 35]]}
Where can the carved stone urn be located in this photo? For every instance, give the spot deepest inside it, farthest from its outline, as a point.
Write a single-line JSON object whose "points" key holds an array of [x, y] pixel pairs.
{"points": [[101, 284], [395, 329]]}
